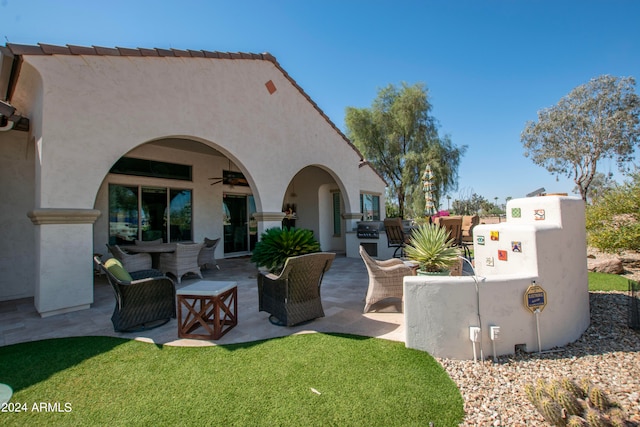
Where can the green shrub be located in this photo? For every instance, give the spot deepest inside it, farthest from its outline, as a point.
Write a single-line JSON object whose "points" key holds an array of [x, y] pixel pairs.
{"points": [[613, 220], [277, 244], [431, 247]]}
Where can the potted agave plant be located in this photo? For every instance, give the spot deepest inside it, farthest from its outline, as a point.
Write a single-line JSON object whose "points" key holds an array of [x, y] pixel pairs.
{"points": [[278, 244], [432, 249]]}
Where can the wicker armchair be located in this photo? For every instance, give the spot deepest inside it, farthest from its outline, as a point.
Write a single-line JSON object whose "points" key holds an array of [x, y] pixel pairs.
{"points": [[130, 262], [146, 301], [184, 260], [293, 296], [207, 255], [385, 278]]}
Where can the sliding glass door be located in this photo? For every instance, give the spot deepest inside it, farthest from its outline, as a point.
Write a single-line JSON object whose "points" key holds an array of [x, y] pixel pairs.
{"points": [[240, 229], [149, 213]]}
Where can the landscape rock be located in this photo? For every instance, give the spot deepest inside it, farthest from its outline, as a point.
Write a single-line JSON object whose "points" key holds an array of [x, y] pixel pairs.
{"points": [[610, 266]]}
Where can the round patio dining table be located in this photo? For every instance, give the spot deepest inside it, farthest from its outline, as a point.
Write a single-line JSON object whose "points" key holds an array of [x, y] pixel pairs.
{"points": [[154, 249]]}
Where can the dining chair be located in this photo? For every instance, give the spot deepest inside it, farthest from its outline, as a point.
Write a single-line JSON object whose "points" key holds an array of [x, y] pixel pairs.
{"points": [[396, 237], [207, 255], [385, 278], [131, 262], [183, 261]]}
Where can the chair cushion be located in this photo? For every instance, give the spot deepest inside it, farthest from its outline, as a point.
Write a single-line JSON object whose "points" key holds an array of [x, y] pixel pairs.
{"points": [[115, 267]]}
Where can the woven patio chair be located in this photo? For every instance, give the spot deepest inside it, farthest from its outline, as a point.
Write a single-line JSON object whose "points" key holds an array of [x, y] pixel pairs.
{"points": [[396, 237], [131, 262], [145, 299], [183, 261], [207, 255], [453, 224], [468, 224], [385, 278], [293, 297]]}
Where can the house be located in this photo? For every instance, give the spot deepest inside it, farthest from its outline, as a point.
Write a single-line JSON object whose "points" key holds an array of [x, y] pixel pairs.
{"points": [[107, 145]]}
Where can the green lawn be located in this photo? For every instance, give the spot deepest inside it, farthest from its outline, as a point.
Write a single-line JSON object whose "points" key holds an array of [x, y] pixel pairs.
{"points": [[607, 282], [312, 380]]}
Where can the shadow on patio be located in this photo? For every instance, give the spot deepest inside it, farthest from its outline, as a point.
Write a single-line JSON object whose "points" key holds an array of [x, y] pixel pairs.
{"points": [[343, 291]]}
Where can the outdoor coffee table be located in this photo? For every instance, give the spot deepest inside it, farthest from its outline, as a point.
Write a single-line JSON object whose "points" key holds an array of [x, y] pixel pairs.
{"points": [[209, 305]]}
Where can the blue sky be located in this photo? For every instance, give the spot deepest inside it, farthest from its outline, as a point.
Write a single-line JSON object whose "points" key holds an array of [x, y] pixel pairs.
{"points": [[489, 65]]}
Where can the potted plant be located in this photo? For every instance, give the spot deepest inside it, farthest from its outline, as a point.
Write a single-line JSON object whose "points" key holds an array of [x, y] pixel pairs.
{"points": [[278, 244], [433, 250]]}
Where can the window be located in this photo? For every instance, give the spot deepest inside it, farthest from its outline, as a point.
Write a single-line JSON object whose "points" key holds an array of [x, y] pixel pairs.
{"points": [[151, 168], [370, 207], [149, 213], [337, 218]]}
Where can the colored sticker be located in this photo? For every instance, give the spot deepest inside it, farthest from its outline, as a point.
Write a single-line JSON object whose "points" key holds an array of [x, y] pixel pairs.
{"points": [[516, 246], [480, 240], [538, 214], [516, 212], [495, 235], [502, 255], [489, 261]]}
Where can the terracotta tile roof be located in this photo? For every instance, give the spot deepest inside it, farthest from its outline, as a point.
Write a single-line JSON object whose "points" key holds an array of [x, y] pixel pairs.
{"points": [[47, 49]]}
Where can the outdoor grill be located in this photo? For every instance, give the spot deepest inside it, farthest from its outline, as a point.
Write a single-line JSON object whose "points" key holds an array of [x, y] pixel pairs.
{"points": [[369, 229]]}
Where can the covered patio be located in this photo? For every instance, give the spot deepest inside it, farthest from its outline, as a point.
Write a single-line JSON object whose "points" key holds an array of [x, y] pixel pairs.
{"points": [[343, 291]]}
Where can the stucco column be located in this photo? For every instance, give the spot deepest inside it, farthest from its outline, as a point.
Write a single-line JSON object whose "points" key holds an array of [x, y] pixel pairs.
{"points": [[268, 220], [64, 266]]}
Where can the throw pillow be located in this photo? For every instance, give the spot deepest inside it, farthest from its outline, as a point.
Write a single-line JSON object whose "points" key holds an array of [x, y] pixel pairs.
{"points": [[115, 267]]}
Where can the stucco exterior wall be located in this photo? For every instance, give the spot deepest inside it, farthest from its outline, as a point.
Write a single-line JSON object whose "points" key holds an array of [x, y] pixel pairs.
{"points": [[109, 105], [551, 252], [87, 111], [17, 245]]}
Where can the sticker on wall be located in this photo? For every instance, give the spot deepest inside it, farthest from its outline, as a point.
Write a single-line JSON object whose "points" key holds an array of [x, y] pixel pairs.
{"points": [[516, 212], [495, 235], [516, 246], [489, 261], [480, 240], [502, 255], [538, 214]]}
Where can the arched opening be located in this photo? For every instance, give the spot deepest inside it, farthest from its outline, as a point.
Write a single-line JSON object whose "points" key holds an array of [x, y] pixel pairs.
{"points": [[314, 200], [176, 190]]}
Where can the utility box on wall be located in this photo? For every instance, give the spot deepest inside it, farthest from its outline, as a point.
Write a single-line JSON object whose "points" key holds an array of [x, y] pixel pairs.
{"points": [[543, 241]]}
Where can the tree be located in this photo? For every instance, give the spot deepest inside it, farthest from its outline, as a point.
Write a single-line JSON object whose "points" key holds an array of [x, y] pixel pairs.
{"points": [[400, 137], [469, 205], [597, 120], [600, 184]]}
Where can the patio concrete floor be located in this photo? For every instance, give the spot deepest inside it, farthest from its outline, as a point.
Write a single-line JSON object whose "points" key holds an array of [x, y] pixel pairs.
{"points": [[343, 290]]}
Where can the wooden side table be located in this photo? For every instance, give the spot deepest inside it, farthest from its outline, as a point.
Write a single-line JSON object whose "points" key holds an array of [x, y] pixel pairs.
{"points": [[210, 305]]}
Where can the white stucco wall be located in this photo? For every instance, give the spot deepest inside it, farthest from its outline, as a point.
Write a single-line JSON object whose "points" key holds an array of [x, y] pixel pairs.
{"points": [[87, 111], [440, 310], [17, 245], [223, 101]]}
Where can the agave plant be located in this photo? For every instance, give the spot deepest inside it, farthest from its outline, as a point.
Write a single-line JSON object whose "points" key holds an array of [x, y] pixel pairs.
{"points": [[431, 247], [277, 244]]}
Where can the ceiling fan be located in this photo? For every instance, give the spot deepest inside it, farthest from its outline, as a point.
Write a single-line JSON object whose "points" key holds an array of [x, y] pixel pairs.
{"points": [[220, 179], [231, 178]]}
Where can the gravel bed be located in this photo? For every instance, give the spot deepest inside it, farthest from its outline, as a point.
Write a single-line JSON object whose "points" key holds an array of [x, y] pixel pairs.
{"points": [[608, 354]]}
